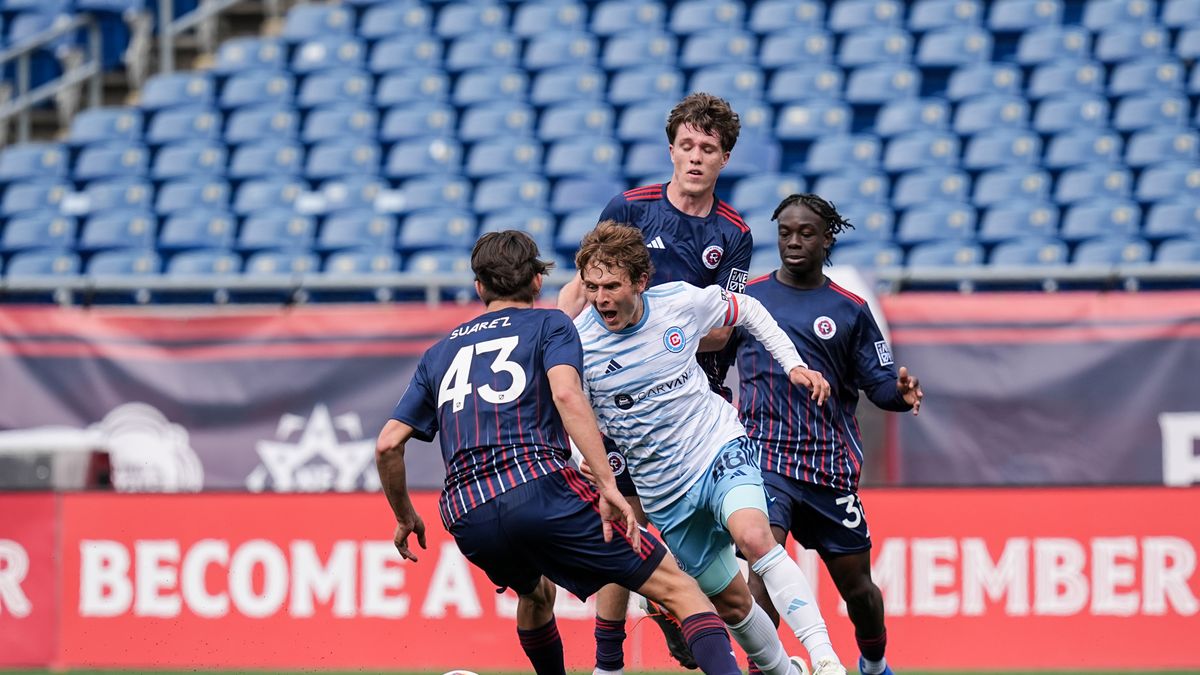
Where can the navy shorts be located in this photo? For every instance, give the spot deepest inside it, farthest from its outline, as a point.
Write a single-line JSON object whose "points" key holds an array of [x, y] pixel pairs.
{"points": [[549, 526], [828, 521], [620, 469]]}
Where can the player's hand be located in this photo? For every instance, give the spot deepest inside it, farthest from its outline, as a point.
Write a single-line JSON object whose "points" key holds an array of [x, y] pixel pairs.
{"points": [[613, 507], [910, 389], [815, 382], [405, 527], [586, 470]]}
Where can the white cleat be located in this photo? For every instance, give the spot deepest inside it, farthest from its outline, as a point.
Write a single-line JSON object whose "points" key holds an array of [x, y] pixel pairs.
{"points": [[828, 666], [800, 664]]}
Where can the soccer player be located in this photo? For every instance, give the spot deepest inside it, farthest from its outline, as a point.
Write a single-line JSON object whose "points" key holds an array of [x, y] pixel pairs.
{"points": [[811, 456], [692, 237], [504, 391], [687, 453]]}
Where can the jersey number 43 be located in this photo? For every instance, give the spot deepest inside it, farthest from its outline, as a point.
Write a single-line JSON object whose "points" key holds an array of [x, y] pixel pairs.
{"points": [[456, 383]]}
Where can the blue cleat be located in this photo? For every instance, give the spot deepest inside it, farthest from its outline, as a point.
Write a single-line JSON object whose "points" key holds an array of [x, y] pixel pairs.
{"points": [[887, 670]]}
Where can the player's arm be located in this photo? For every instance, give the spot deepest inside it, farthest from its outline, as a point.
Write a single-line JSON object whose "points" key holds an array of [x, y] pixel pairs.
{"points": [[731, 275], [580, 423], [887, 389], [389, 461], [716, 339], [570, 297]]}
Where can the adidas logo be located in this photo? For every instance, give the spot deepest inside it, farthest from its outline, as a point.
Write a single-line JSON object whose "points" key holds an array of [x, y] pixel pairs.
{"points": [[795, 605], [613, 367], [656, 242]]}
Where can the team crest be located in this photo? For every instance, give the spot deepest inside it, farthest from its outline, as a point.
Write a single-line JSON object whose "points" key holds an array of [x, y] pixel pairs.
{"points": [[673, 339], [616, 462], [824, 327], [712, 256]]}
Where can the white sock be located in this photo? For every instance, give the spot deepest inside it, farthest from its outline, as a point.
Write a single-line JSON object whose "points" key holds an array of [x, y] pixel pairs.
{"points": [[600, 671], [795, 602], [758, 637], [873, 667]]}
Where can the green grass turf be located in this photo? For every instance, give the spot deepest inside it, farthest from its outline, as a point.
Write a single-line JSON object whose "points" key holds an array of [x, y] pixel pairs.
{"points": [[660, 672]]}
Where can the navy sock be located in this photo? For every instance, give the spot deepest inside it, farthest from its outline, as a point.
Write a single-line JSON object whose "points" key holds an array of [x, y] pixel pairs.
{"points": [[544, 648], [706, 637], [872, 648], [610, 644]]}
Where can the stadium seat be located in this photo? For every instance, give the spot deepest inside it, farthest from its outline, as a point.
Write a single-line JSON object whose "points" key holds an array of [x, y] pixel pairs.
{"points": [[927, 15], [984, 113], [805, 83], [1180, 13], [1144, 76], [1162, 145], [754, 154], [567, 83], [560, 48], [538, 224], [1187, 45], [874, 46], [718, 47], [184, 124], [342, 157], [124, 263], [1090, 182], [256, 122], [270, 193], [258, 87], [873, 223], [1167, 181], [813, 119], [799, 45], [852, 15], [439, 228], [502, 155], [1029, 252], [32, 161], [1101, 14], [930, 185], [123, 228], [266, 158], [333, 87], [1101, 218], [241, 54], [188, 230], [845, 152], [730, 82], [921, 149], [457, 19], [1112, 251], [34, 195], [590, 192], [42, 263], [785, 16], [1056, 78], [645, 83], [882, 83], [308, 21], [852, 187], [188, 159], [329, 52], [945, 254], [439, 262], [277, 229], [111, 160], [340, 121], [937, 221], [587, 155], [954, 46], [647, 159], [983, 78], [908, 115], [1044, 44], [118, 193], [188, 194], [204, 262], [354, 192], [357, 229], [489, 84], [421, 119], [421, 156], [481, 50], [869, 255], [548, 16], [694, 16], [1174, 218], [1022, 15], [642, 47], [757, 117], [1173, 251], [1082, 147], [511, 190], [1068, 112], [172, 90], [1150, 109], [1018, 219], [764, 191], [38, 229], [572, 230], [1010, 184], [616, 17], [397, 19], [412, 85], [587, 117], [405, 51], [281, 264], [106, 125], [1001, 147], [361, 261], [493, 120], [436, 191], [1128, 42]]}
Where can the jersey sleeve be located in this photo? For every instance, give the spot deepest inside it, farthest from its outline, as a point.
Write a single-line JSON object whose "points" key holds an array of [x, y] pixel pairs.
{"points": [[561, 345], [417, 407], [734, 271], [875, 368], [617, 209], [714, 306]]}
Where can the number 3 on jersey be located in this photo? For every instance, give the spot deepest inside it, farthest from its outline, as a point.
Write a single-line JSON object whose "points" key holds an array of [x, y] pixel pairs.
{"points": [[456, 383]]}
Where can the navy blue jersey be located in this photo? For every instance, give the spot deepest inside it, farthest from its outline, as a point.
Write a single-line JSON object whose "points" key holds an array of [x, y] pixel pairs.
{"points": [[484, 388], [835, 333]]}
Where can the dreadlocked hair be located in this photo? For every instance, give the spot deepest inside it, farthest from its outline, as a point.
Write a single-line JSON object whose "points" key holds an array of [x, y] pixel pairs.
{"points": [[825, 210]]}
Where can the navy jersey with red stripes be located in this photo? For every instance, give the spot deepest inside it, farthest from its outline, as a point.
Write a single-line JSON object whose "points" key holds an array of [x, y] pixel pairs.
{"points": [[484, 391], [834, 331]]}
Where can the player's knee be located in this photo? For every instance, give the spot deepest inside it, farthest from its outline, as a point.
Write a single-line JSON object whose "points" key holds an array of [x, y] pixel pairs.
{"points": [[541, 599], [863, 596], [755, 540], [733, 604]]}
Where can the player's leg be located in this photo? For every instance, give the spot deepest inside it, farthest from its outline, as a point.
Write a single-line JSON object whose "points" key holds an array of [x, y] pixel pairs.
{"points": [[750, 626], [851, 574], [538, 631], [759, 590]]}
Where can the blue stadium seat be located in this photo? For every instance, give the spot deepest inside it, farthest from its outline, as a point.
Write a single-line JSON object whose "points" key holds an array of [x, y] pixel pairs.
{"points": [[502, 155], [421, 156], [1101, 14], [118, 193], [937, 221], [437, 191], [1043, 44], [188, 159], [908, 115], [1112, 251], [329, 52], [955, 46], [1146, 76], [412, 85], [32, 161], [754, 154], [42, 263], [764, 191], [730, 82], [106, 125], [355, 229], [645, 83], [560, 48], [1010, 184], [873, 46], [1027, 252], [983, 78], [493, 120], [1187, 45], [34, 195], [786, 16], [1180, 13], [1168, 180], [270, 193], [873, 223], [281, 263], [719, 47], [1128, 42], [587, 155], [1067, 112], [489, 84], [765, 234], [258, 87], [354, 192], [439, 262], [172, 90], [277, 229], [1162, 145], [569, 119], [1174, 218], [920, 150], [648, 158], [204, 262], [38, 229], [389, 19], [805, 82], [987, 112], [405, 51], [844, 152], [853, 187], [197, 229], [482, 50], [420, 119], [1002, 147], [615, 17], [111, 160], [241, 54], [1101, 218], [1082, 147], [361, 261], [123, 228], [546, 16], [1172, 251], [184, 124], [882, 83], [332, 87], [1056, 78], [869, 255], [757, 116], [342, 157], [457, 19], [188, 194], [308, 21], [927, 15], [440, 228], [511, 190], [930, 185], [1090, 182], [340, 121], [1150, 109], [567, 83], [124, 263], [589, 192], [788, 47], [266, 158], [851, 15], [573, 228], [639, 48], [1018, 219], [813, 119], [538, 224], [694, 16], [1022, 15], [946, 254], [255, 122]]}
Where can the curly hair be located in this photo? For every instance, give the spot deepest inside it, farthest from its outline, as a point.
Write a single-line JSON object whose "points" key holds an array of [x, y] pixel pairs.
{"points": [[613, 245], [825, 210], [505, 263], [708, 113]]}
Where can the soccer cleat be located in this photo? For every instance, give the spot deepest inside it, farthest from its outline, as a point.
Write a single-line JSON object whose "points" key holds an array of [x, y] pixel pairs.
{"points": [[676, 643], [887, 670], [801, 665], [828, 666]]}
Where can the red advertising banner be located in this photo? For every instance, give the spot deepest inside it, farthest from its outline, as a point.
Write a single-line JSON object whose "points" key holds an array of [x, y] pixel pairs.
{"points": [[983, 579], [28, 573]]}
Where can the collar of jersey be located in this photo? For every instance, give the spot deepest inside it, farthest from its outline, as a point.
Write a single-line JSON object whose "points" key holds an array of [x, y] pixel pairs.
{"points": [[630, 329], [711, 210]]}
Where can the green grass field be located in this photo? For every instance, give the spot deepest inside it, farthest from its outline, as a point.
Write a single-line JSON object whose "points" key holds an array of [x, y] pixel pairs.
{"points": [[659, 672]]}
